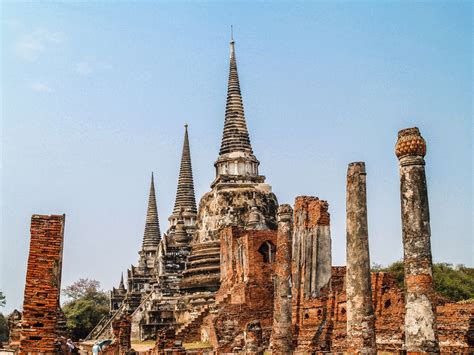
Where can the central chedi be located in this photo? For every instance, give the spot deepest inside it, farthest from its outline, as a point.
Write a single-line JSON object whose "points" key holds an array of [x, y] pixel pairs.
{"points": [[239, 195]]}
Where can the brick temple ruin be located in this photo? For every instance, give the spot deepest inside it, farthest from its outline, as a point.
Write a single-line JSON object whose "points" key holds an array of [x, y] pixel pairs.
{"points": [[243, 274]]}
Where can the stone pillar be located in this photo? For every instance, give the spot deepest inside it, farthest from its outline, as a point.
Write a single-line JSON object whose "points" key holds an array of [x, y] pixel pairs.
{"points": [[420, 325], [282, 330], [360, 312]]}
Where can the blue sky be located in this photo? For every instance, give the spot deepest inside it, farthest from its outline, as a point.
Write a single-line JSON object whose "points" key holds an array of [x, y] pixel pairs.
{"points": [[95, 96]]}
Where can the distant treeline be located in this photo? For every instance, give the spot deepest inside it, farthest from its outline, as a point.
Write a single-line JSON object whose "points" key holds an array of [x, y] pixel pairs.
{"points": [[453, 282]]}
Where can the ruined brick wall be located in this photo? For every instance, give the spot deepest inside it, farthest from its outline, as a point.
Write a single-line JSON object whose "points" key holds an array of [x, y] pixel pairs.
{"points": [[246, 271], [389, 309], [122, 329], [455, 323], [43, 285], [320, 323], [225, 326], [246, 292]]}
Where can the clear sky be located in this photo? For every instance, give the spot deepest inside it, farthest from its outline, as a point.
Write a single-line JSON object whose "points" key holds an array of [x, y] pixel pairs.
{"points": [[95, 96]]}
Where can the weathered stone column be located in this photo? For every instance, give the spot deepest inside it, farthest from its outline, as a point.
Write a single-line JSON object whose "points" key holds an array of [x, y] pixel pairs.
{"points": [[360, 312], [420, 325], [282, 330]]}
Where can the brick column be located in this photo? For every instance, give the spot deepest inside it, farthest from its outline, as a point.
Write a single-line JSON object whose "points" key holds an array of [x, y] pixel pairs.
{"points": [[282, 329], [39, 331], [122, 328], [311, 247], [420, 325], [360, 312]]}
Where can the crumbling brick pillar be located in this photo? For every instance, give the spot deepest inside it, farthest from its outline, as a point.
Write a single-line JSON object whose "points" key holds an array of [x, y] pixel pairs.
{"points": [[39, 331], [311, 246], [122, 328], [282, 329], [360, 312], [420, 325]]}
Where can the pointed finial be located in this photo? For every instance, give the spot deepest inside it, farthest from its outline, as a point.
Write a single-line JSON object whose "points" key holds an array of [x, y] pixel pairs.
{"points": [[185, 192], [152, 235], [232, 43], [235, 136], [121, 285]]}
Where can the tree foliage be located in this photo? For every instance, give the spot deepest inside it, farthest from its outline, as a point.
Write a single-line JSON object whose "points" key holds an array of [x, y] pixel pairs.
{"points": [[4, 332], [455, 283], [81, 288], [87, 305], [3, 321]]}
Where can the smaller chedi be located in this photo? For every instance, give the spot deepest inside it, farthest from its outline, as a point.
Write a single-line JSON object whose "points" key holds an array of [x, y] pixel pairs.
{"points": [[152, 291]]}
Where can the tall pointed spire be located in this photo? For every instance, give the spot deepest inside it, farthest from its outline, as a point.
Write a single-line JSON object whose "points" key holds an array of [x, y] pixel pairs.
{"points": [[185, 199], [121, 285], [235, 137], [236, 162], [152, 235]]}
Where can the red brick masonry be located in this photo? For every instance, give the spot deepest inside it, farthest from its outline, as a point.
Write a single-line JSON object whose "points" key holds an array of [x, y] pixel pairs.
{"points": [[43, 285]]}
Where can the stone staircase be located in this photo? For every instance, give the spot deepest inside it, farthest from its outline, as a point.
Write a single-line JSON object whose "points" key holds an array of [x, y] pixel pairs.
{"points": [[103, 329], [152, 315], [96, 330], [220, 299], [191, 329]]}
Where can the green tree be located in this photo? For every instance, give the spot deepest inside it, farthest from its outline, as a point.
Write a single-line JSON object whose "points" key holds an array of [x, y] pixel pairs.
{"points": [[3, 300], [4, 332], [86, 306], [395, 269], [455, 283]]}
